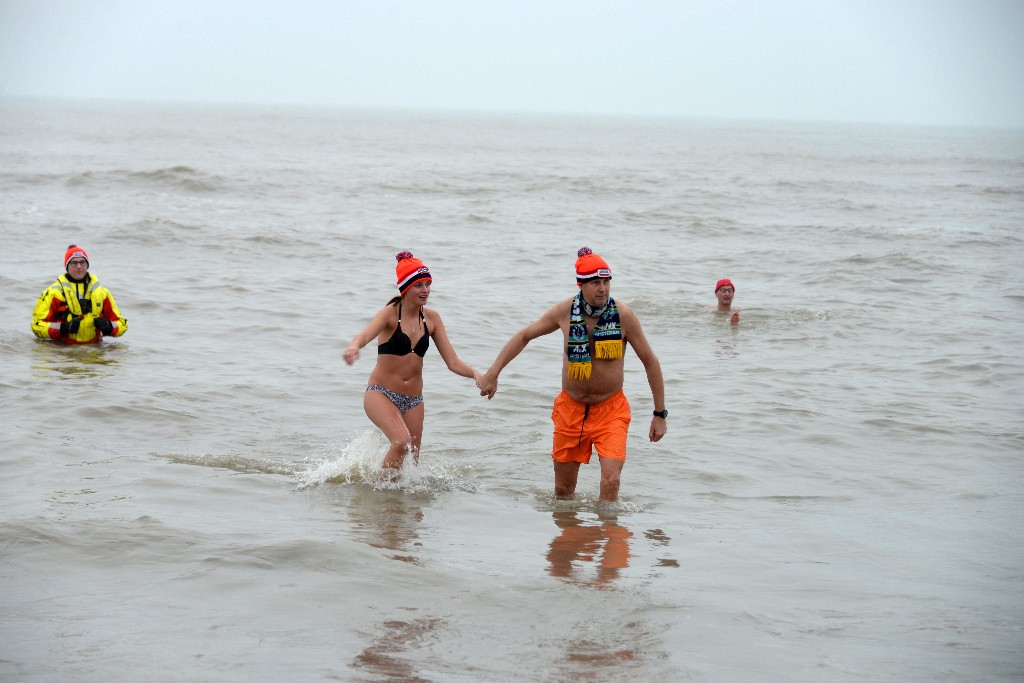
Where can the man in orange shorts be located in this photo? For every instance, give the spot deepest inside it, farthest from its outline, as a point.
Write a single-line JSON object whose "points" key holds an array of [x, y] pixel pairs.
{"points": [[591, 411]]}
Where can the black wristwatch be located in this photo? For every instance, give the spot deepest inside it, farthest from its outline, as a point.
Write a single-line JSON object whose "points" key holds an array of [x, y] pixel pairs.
{"points": [[661, 413]]}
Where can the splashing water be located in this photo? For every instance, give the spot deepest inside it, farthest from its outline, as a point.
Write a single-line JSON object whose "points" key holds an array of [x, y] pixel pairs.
{"points": [[359, 462]]}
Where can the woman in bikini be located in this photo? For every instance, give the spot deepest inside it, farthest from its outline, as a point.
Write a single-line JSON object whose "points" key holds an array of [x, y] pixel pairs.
{"points": [[394, 398]]}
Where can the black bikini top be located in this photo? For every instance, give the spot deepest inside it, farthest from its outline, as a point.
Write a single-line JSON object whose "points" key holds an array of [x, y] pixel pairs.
{"points": [[401, 345]]}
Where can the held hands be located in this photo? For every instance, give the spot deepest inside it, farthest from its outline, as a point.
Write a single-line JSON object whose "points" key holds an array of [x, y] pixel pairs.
{"points": [[70, 328], [735, 319], [488, 385], [104, 326]]}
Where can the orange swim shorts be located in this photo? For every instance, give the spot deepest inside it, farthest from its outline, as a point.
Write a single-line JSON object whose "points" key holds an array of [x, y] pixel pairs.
{"points": [[580, 427]]}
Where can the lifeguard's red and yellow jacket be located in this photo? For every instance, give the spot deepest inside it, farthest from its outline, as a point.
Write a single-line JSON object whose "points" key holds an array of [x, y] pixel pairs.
{"points": [[67, 301]]}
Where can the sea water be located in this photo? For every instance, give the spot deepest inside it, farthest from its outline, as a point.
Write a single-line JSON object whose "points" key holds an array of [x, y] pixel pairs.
{"points": [[838, 498]]}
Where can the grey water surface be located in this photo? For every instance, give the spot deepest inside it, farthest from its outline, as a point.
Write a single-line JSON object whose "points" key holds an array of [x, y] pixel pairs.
{"points": [[839, 496]]}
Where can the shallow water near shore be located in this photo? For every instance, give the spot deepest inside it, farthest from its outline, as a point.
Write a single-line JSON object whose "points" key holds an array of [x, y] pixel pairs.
{"points": [[839, 496]]}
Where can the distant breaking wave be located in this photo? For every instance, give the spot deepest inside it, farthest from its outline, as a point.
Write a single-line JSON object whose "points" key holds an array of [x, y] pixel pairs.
{"points": [[173, 178]]}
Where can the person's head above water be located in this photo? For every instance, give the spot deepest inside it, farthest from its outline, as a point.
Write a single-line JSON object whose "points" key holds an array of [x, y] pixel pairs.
{"points": [[75, 252], [724, 292], [76, 262]]}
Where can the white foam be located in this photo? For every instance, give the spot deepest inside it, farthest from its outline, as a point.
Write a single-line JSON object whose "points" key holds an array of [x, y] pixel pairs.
{"points": [[359, 460]]}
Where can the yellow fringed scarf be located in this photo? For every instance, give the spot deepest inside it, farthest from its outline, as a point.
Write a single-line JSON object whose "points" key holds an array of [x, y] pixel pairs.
{"points": [[607, 337]]}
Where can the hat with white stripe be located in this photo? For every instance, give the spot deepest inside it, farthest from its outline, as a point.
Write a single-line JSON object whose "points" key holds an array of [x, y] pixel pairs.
{"points": [[409, 270], [590, 266]]}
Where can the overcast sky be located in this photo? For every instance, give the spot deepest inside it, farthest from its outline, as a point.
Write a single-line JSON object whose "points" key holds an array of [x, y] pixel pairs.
{"points": [[955, 62]]}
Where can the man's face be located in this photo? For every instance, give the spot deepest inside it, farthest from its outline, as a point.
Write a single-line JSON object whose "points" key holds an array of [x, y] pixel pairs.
{"points": [[597, 292], [725, 295], [78, 267]]}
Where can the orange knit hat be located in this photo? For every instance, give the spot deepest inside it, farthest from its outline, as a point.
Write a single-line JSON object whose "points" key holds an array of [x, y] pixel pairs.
{"points": [[590, 266], [73, 251], [409, 270]]}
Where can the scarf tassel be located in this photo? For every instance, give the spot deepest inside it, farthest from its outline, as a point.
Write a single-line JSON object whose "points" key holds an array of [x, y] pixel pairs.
{"points": [[608, 342], [608, 350], [579, 371]]}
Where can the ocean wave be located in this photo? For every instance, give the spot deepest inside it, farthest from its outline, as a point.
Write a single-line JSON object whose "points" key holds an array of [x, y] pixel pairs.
{"points": [[182, 178], [900, 261], [155, 231], [233, 462]]}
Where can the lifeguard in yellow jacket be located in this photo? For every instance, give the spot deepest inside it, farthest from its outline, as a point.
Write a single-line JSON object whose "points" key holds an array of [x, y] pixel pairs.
{"points": [[77, 309]]}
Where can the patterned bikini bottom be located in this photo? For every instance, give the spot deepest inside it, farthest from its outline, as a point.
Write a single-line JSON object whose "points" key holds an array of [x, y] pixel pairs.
{"points": [[402, 402]]}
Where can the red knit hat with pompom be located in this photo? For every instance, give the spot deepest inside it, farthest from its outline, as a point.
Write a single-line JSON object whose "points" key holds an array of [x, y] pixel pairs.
{"points": [[73, 251], [590, 266], [409, 270]]}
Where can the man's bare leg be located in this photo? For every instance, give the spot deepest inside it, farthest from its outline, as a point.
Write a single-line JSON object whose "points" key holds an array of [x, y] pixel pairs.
{"points": [[611, 472], [566, 474]]}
